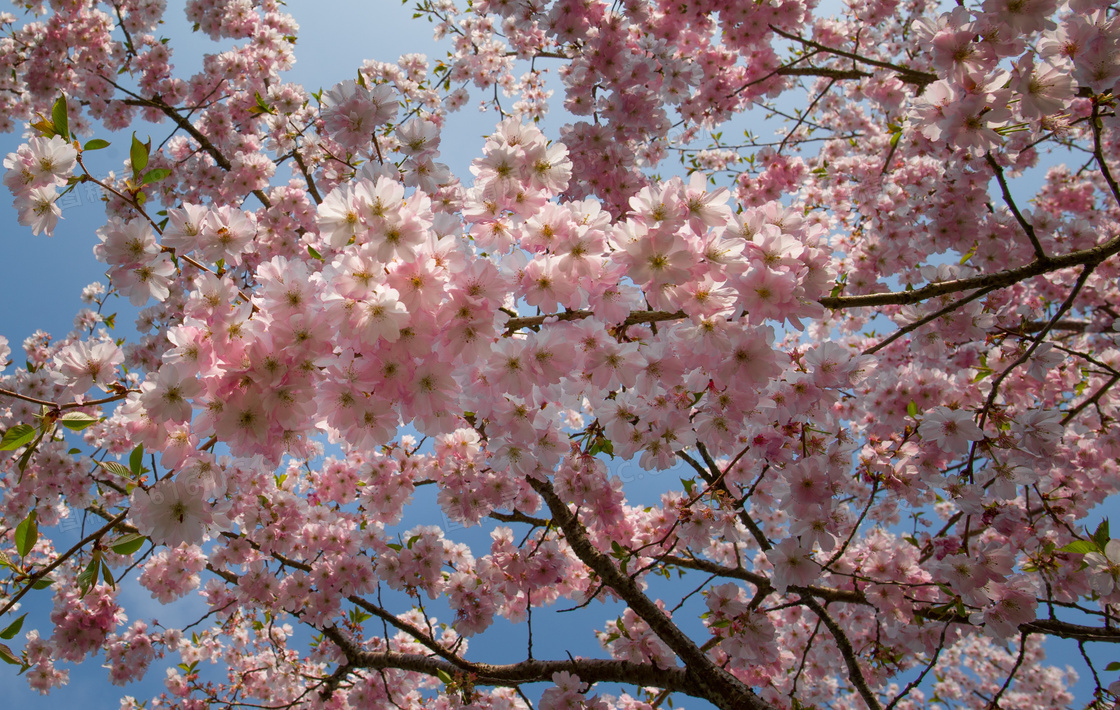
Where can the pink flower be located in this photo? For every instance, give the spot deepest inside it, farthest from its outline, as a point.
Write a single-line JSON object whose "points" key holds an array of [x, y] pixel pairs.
{"points": [[37, 209], [340, 218], [1104, 568], [166, 396], [226, 233], [794, 565], [173, 512], [83, 365], [184, 227], [951, 429]]}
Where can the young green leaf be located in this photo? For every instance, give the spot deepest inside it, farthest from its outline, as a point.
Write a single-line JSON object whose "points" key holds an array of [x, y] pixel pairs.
{"points": [[7, 656], [1101, 536], [61, 122], [127, 544], [26, 458], [107, 575], [1080, 547], [88, 577], [76, 421], [136, 460], [27, 534], [138, 155], [115, 468], [96, 144], [44, 127], [16, 437], [12, 629], [155, 175]]}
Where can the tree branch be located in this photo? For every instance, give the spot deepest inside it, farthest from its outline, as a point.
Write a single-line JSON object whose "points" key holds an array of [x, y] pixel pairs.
{"points": [[589, 670], [713, 683]]}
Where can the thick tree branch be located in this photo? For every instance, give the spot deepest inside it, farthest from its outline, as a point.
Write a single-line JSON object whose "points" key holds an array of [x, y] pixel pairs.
{"points": [[713, 683], [906, 75], [204, 142], [989, 282], [589, 670], [855, 673], [42, 573], [1008, 200]]}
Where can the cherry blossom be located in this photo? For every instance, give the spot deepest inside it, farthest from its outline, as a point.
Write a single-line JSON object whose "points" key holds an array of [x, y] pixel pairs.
{"points": [[173, 512], [774, 343]]}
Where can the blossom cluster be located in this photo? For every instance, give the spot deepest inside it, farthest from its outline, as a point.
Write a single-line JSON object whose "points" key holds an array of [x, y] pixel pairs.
{"points": [[885, 383]]}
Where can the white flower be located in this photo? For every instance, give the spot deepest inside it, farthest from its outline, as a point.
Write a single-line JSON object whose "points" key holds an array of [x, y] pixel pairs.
{"points": [[83, 365], [38, 210], [794, 565], [951, 429], [173, 512], [1104, 568], [167, 394]]}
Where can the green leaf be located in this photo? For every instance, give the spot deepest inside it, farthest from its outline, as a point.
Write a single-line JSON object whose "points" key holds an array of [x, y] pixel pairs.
{"points": [[26, 458], [16, 437], [61, 122], [912, 409], [314, 254], [12, 629], [44, 126], [96, 144], [1101, 536], [136, 460], [7, 656], [1114, 666], [261, 106], [981, 373], [395, 546], [107, 575], [127, 544], [602, 445], [155, 175], [115, 468], [88, 577], [27, 534], [444, 677], [970, 253], [42, 583], [1079, 547], [139, 155], [76, 421]]}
